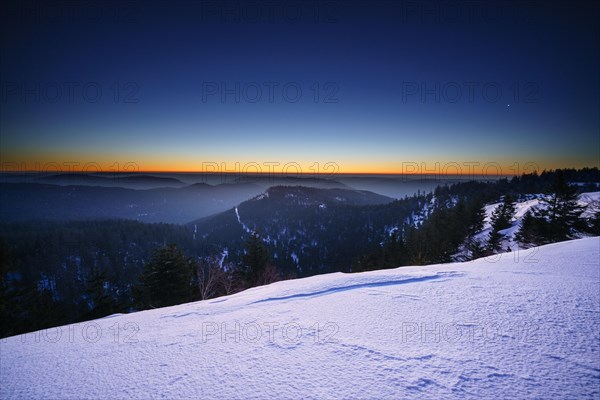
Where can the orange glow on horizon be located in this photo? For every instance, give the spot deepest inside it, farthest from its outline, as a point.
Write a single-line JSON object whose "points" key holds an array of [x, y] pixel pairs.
{"points": [[494, 169], [44, 162]]}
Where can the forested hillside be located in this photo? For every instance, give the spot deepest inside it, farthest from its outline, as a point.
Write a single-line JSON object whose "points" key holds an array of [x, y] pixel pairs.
{"points": [[60, 272]]}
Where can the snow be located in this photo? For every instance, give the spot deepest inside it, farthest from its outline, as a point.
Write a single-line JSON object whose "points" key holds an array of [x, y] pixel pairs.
{"points": [[261, 196], [244, 226], [591, 202], [295, 258], [224, 255], [421, 215], [524, 324]]}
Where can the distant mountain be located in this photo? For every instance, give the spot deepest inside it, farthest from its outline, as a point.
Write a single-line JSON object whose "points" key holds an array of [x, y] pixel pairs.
{"points": [[309, 230], [133, 181], [27, 201], [396, 186], [293, 196], [267, 181]]}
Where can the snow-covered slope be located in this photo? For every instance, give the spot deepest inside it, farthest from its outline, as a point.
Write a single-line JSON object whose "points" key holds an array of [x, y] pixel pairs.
{"points": [[589, 200], [520, 325]]}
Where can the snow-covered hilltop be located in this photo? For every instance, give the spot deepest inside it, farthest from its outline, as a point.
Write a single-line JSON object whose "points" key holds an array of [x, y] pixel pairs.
{"points": [[524, 324]]}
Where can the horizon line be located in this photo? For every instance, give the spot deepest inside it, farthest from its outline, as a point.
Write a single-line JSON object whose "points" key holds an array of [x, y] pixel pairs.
{"points": [[282, 173]]}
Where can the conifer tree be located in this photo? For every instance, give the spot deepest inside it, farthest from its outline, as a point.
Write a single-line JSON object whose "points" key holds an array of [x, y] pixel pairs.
{"points": [[166, 279], [5, 267], [102, 302], [476, 249], [562, 212], [503, 215], [594, 224], [529, 232], [558, 219], [256, 268], [501, 219], [477, 218]]}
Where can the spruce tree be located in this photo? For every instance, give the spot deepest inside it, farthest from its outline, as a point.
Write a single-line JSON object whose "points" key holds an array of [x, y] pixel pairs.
{"points": [[501, 219], [255, 262], [166, 279], [477, 219], [5, 267], [494, 241], [594, 224], [475, 249], [562, 212], [534, 230], [98, 291]]}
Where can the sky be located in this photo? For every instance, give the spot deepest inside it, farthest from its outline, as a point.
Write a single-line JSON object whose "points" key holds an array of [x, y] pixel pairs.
{"points": [[351, 86]]}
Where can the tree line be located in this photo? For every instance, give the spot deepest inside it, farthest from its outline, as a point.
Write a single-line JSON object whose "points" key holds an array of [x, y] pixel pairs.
{"points": [[170, 277], [96, 283], [458, 214]]}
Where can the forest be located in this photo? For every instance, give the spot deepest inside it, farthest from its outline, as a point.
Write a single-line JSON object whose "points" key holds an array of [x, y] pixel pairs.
{"points": [[59, 272]]}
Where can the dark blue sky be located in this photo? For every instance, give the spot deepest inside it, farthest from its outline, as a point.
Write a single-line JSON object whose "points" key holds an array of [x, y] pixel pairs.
{"points": [[368, 85]]}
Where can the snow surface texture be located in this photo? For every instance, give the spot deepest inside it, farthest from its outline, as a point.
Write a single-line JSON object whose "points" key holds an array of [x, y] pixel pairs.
{"points": [[524, 324]]}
